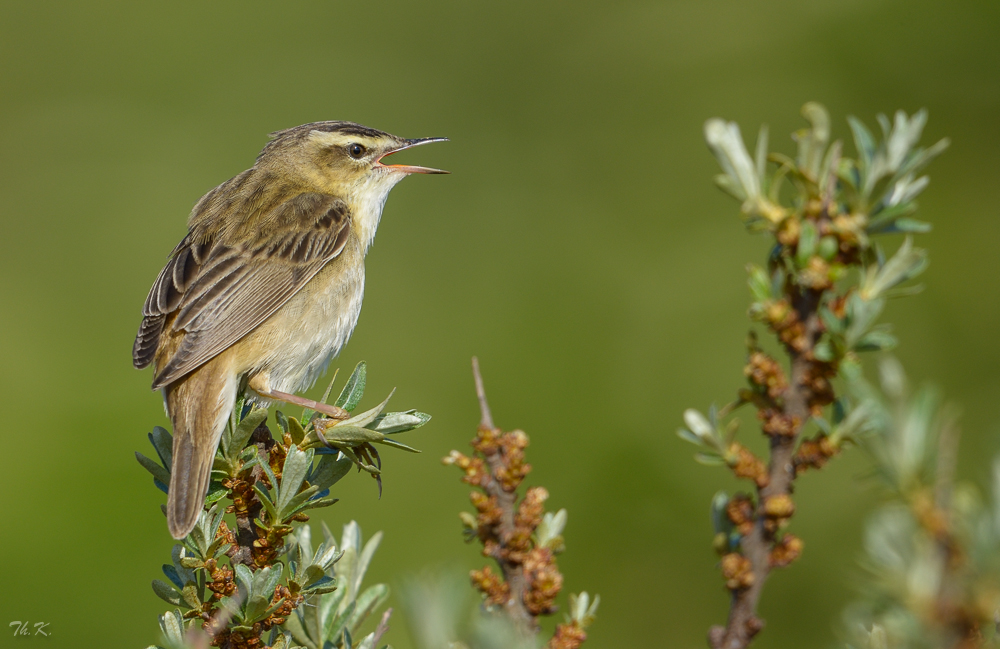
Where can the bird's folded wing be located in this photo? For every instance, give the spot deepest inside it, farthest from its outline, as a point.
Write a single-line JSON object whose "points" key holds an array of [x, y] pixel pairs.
{"points": [[213, 294]]}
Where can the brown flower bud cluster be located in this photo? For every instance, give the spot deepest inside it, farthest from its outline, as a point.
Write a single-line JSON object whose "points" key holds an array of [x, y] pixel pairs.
{"points": [[241, 638], [817, 381], [544, 581], [814, 453], [737, 571], [740, 511], [494, 589], [747, 465], [529, 580], [785, 551], [765, 374], [785, 323], [510, 446], [567, 636]]}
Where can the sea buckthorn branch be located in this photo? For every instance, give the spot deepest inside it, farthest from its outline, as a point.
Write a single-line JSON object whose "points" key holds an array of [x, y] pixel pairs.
{"points": [[256, 582], [823, 287], [518, 535]]}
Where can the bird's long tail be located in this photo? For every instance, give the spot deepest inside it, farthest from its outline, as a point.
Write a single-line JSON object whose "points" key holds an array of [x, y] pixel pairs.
{"points": [[199, 405]]}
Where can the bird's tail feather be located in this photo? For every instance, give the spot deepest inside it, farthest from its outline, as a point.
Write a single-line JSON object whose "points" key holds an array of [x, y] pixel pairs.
{"points": [[199, 405]]}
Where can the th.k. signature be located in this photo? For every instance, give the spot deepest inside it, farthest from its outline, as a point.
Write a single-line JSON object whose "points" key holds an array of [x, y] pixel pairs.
{"points": [[24, 628]]}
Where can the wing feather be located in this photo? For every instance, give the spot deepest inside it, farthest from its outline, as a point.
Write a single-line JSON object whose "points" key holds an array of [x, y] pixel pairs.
{"points": [[214, 294]]}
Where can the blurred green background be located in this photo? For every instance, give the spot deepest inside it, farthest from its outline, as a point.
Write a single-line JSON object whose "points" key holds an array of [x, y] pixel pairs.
{"points": [[579, 249]]}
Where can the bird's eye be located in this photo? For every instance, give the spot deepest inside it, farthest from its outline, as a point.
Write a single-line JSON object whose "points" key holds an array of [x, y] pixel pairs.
{"points": [[356, 150]]}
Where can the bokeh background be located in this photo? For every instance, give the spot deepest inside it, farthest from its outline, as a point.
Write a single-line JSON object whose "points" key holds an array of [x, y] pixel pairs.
{"points": [[579, 249]]}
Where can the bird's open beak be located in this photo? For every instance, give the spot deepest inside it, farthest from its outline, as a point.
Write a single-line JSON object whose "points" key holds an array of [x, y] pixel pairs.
{"points": [[409, 169]]}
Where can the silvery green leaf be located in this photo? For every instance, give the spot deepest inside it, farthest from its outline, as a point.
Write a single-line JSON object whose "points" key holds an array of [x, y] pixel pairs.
{"points": [[906, 189], [311, 504], [915, 449], [551, 527], [324, 584], [322, 610], [831, 322], [190, 595], [241, 434], [265, 499], [905, 135], [327, 554], [808, 238], [351, 435], [394, 444], [159, 473], [265, 466], [367, 416], [874, 341], [688, 436], [186, 575], [244, 577], [295, 625], [300, 552], [907, 263], [582, 610], [828, 247], [282, 420], [399, 422], [760, 157], [760, 283], [861, 314], [328, 470], [884, 216], [337, 623], [372, 598], [237, 413], [295, 430], [906, 226], [297, 464], [709, 459], [172, 627], [827, 176], [863, 141], [163, 442], [727, 145], [215, 494], [168, 593], [720, 520], [858, 422], [731, 186], [813, 141], [347, 452], [202, 536], [823, 351], [354, 389], [294, 503], [920, 158], [698, 425], [364, 559]]}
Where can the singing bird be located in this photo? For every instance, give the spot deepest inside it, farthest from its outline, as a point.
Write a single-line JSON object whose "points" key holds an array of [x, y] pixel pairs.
{"points": [[265, 289]]}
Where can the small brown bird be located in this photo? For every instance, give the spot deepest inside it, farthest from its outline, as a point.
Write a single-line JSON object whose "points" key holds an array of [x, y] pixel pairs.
{"points": [[265, 289]]}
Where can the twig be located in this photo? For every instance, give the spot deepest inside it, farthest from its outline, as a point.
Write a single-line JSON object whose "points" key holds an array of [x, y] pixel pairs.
{"points": [[484, 407], [743, 623], [506, 501]]}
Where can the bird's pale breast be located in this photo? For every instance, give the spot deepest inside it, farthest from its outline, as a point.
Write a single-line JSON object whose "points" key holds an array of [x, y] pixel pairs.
{"points": [[295, 345]]}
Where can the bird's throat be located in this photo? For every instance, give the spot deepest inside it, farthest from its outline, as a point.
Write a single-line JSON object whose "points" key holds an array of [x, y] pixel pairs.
{"points": [[366, 202]]}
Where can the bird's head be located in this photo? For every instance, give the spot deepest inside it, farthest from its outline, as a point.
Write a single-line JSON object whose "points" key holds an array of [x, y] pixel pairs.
{"points": [[342, 158]]}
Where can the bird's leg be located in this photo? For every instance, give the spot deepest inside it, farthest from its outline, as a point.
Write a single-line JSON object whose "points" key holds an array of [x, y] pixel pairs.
{"points": [[259, 384]]}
